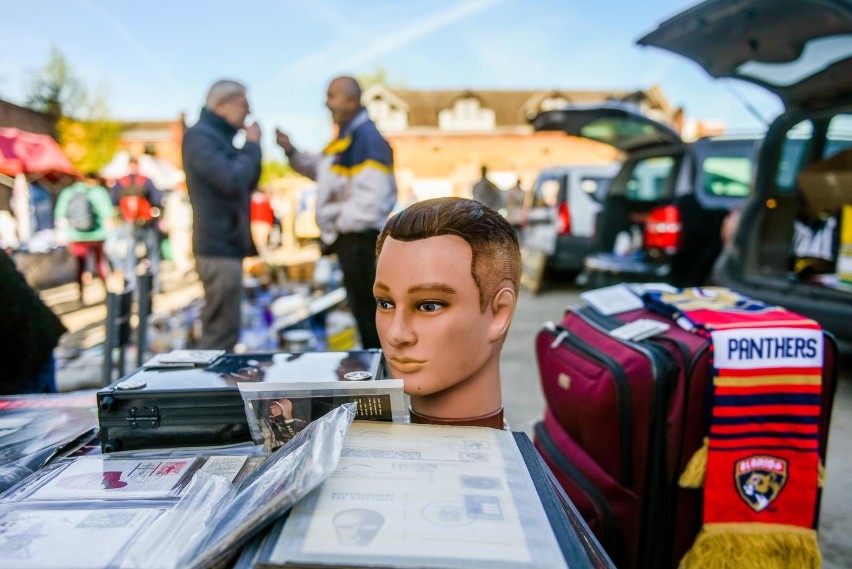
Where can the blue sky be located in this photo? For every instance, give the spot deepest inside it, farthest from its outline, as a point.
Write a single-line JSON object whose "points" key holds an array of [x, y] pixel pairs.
{"points": [[156, 59]]}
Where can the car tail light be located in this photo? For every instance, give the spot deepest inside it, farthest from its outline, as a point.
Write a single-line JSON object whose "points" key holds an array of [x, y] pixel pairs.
{"points": [[564, 219], [663, 229]]}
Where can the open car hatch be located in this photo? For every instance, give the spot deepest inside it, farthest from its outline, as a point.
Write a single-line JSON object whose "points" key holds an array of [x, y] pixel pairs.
{"points": [[613, 124], [765, 42]]}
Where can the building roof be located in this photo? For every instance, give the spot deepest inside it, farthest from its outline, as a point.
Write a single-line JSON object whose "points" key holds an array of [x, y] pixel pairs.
{"points": [[511, 107], [15, 116]]}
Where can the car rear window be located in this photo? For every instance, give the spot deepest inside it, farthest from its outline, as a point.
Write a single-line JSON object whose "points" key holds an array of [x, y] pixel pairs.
{"points": [[800, 148], [546, 193], [651, 179], [727, 176]]}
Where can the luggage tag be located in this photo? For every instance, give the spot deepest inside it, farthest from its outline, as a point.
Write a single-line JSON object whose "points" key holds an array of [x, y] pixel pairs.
{"points": [[639, 330], [612, 299]]}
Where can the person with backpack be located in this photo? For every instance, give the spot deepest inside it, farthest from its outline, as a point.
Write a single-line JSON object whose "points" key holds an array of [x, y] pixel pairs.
{"points": [[138, 202], [83, 217]]}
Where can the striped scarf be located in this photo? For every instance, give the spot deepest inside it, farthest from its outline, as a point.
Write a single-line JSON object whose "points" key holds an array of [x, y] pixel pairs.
{"points": [[762, 462]]}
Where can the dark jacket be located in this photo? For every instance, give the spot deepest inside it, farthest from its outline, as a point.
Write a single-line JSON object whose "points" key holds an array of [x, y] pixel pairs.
{"points": [[220, 178], [29, 330]]}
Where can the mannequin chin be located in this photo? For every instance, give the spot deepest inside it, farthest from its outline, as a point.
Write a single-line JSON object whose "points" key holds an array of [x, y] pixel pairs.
{"points": [[441, 330]]}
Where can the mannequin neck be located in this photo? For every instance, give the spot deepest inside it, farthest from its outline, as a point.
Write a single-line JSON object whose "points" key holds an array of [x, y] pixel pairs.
{"points": [[476, 397], [493, 420]]}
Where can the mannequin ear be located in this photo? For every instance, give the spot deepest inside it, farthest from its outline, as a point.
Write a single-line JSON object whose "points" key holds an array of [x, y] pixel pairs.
{"points": [[502, 309]]}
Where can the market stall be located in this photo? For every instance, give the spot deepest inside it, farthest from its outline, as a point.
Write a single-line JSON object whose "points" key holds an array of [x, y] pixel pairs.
{"points": [[33, 169]]}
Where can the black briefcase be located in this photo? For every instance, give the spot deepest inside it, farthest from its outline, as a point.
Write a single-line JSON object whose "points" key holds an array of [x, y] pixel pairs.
{"points": [[179, 402]]}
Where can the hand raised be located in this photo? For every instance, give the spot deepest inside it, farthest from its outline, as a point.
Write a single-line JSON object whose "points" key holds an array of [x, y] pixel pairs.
{"points": [[253, 132]]}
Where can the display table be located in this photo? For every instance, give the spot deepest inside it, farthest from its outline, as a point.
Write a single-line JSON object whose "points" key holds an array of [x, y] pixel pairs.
{"points": [[573, 538]]}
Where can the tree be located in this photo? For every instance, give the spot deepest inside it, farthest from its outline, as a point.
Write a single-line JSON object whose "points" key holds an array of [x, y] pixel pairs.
{"points": [[379, 76], [55, 90], [273, 170], [83, 127]]}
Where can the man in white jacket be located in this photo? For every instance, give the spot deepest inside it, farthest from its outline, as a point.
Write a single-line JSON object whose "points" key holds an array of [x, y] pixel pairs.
{"points": [[356, 191]]}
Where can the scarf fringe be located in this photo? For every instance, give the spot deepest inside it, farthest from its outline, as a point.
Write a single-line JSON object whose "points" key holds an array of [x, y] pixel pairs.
{"points": [[696, 468], [753, 546]]}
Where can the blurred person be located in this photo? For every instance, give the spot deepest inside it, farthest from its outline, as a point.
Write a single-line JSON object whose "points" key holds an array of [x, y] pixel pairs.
{"points": [[486, 192], [516, 207], [177, 216], [262, 219], [220, 178], [356, 190], [138, 202], [8, 223], [29, 331], [84, 216]]}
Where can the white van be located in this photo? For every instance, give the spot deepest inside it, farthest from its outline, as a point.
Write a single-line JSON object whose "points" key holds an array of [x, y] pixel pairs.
{"points": [[561, 218]]}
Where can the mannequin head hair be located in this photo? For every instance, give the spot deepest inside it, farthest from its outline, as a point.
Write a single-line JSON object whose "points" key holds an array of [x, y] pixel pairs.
{"points": [[496, 253]]}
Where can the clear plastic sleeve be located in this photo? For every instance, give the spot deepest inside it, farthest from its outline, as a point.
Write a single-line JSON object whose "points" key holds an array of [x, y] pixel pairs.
{"points": [[289, 474], [181, 528], [31, 437]]}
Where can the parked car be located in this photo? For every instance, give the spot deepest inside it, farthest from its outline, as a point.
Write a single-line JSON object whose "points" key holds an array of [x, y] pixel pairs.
{"points": [[662, 215], [562, 212], [786, 248]]}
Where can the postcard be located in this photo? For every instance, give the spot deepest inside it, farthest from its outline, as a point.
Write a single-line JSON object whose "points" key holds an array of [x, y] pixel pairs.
{"points": [[105, 478], [67, 537], [277, 412]]}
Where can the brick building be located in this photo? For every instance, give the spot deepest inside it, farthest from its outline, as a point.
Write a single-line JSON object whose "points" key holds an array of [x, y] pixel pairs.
{"points": [[162, 139], [14, 116], [441, 138]]}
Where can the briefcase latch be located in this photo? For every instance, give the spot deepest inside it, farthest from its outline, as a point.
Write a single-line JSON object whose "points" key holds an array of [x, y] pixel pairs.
{"points": [[144, 417]]}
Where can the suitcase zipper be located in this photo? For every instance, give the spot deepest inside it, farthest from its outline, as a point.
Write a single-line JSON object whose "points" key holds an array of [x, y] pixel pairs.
{"points": [[611, 532], [625, 406], [665, 373]]}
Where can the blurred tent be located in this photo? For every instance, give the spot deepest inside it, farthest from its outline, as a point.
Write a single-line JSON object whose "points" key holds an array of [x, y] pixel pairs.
{"points": [[26, 157], [31, 154], [164, 175]]}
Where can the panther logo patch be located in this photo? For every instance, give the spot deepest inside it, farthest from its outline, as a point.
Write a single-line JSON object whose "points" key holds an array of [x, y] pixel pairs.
{"points": [[760, 479]]}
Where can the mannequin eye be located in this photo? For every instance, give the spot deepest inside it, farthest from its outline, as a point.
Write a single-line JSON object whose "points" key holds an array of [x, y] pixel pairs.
{"points": [[430, 306], [384, 303]]}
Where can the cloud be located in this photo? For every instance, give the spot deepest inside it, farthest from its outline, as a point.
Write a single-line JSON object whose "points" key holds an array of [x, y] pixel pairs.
{"points": [[323, 61], [135, 44]]}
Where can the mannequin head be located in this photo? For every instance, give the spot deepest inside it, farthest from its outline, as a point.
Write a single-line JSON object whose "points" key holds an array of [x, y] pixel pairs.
{"points": [[446, 288]]}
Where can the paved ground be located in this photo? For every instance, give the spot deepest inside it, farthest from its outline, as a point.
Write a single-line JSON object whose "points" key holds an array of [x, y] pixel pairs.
{"points": [[521, 392]]}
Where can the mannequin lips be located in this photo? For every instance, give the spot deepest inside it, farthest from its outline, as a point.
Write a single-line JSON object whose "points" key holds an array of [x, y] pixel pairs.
{"points": [[406, 365]]}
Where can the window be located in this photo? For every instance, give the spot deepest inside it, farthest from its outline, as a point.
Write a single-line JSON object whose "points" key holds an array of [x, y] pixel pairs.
{"points": [[388, 118], [466, 114], [727, 176], [651, 179], [839, 136], [793, 151], [553, 104], [546, 193], [617, 130], [590, 184]]}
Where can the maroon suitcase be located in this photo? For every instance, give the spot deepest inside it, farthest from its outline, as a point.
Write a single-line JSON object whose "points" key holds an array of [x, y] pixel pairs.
{"points": [[622, 420]]}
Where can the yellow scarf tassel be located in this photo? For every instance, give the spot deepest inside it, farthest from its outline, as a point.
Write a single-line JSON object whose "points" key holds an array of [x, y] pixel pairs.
{"points": [[753, 546]]}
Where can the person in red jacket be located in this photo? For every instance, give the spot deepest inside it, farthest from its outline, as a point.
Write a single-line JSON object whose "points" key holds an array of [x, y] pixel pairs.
{"points": [[262, 218]]}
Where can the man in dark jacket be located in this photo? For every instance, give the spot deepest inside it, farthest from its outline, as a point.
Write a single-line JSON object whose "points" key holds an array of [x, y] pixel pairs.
{"points": [[220, 178]]}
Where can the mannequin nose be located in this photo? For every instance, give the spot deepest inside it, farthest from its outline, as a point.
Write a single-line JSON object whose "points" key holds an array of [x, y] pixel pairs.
{"points": [[400, 331]]}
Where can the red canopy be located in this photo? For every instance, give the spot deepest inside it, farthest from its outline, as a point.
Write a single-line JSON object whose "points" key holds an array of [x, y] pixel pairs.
{"points": [[23, 152]]}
